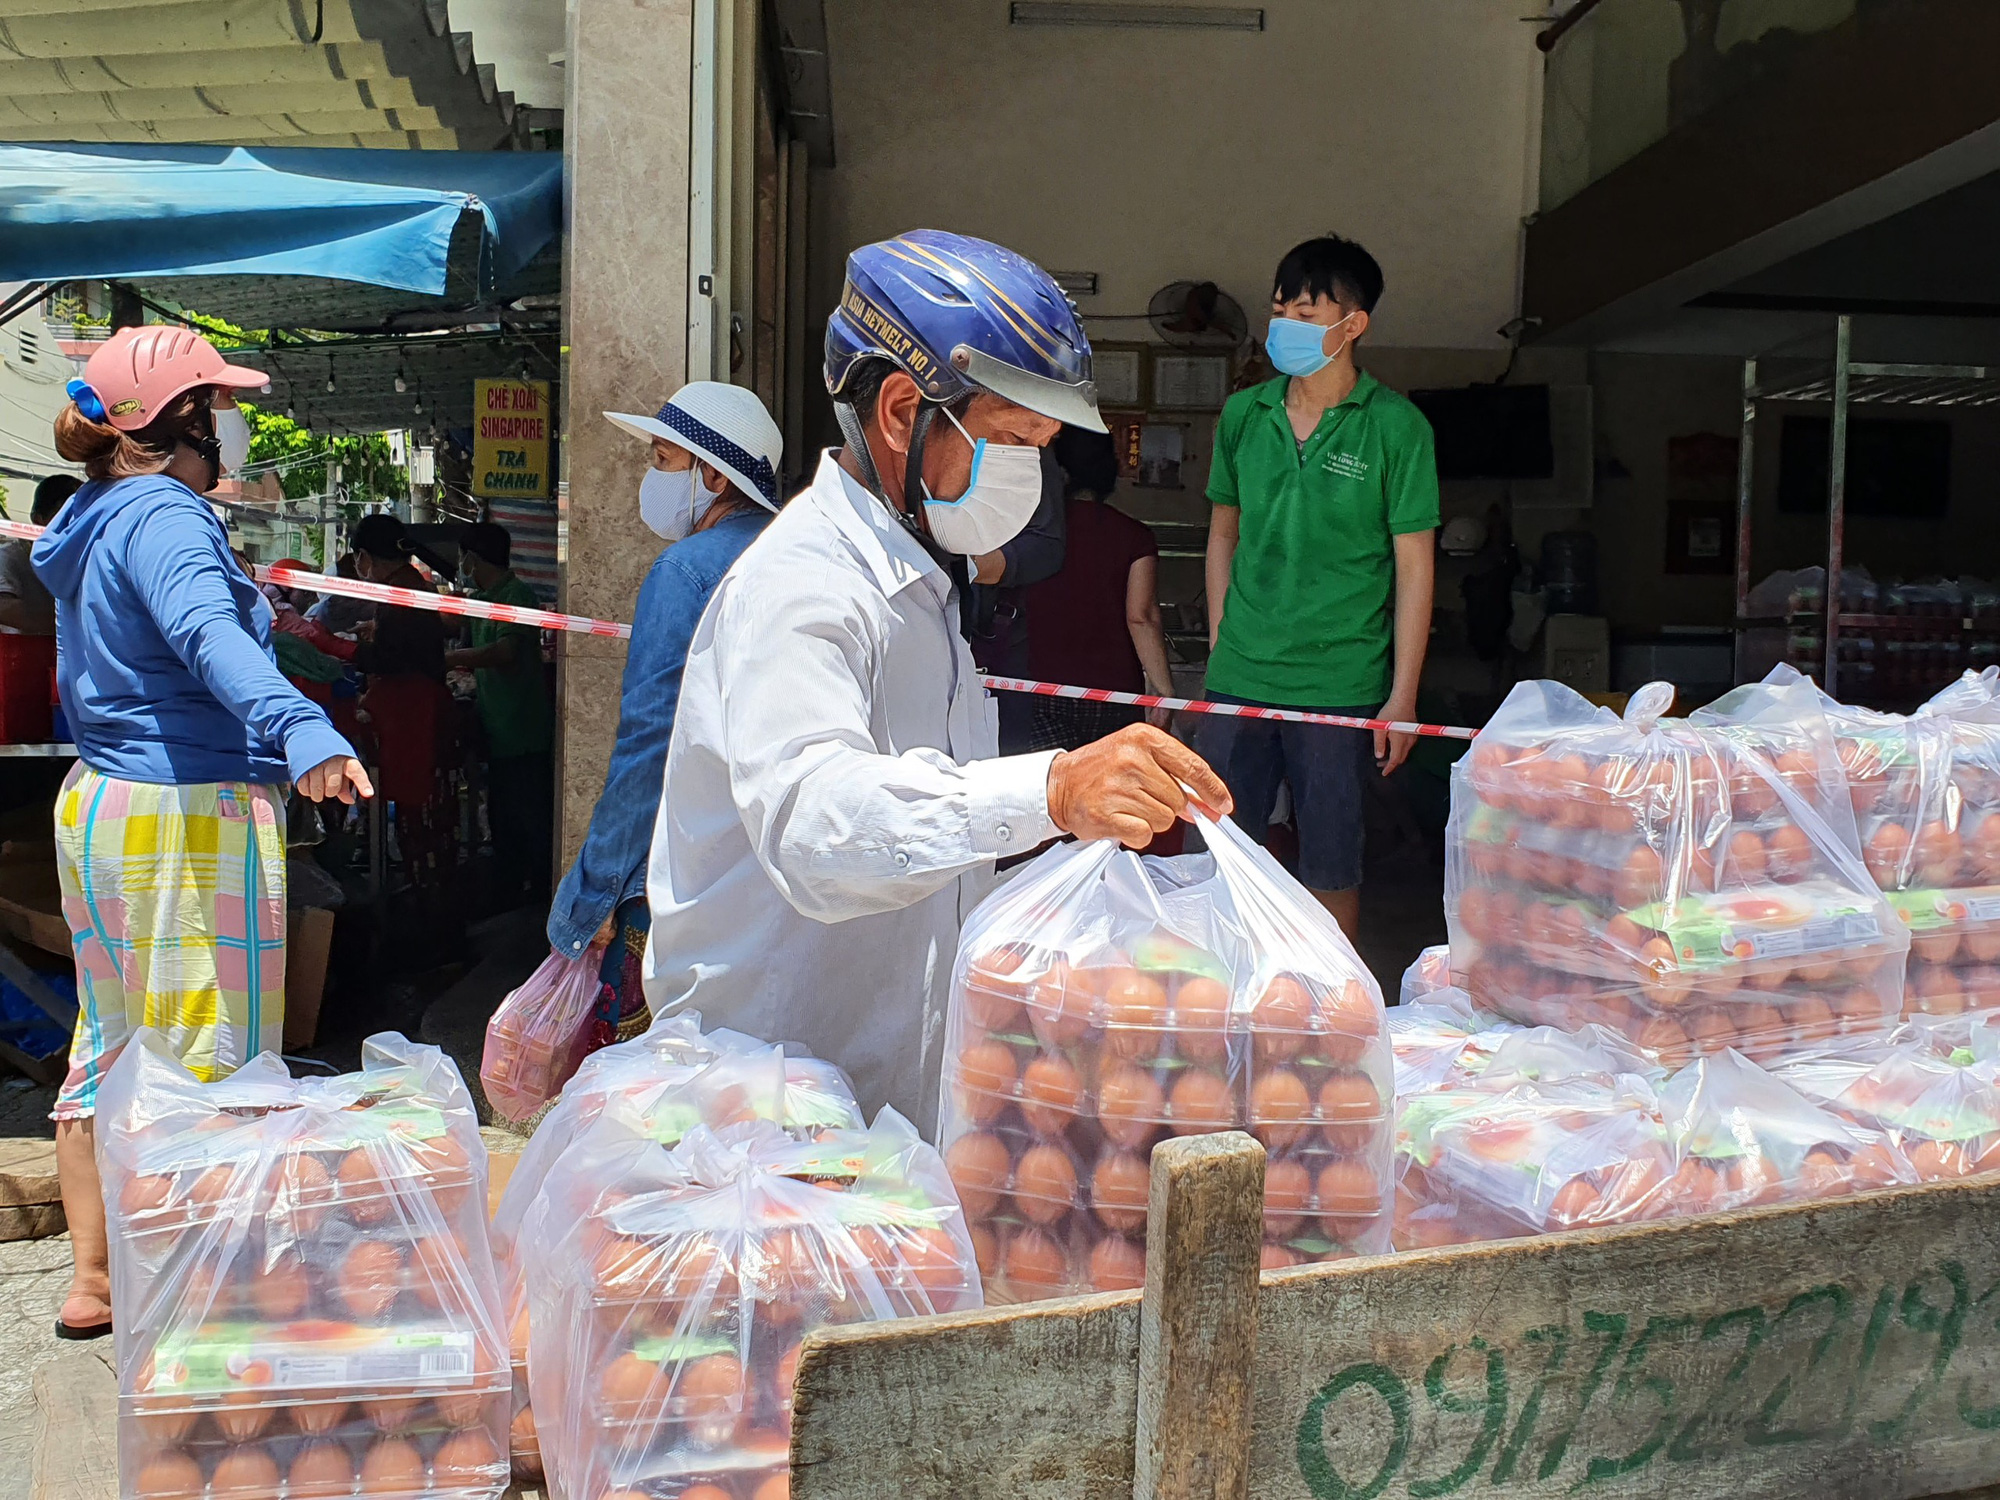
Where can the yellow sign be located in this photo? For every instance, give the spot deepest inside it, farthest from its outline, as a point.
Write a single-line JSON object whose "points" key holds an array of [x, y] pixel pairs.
{"points": [[510, 438]]}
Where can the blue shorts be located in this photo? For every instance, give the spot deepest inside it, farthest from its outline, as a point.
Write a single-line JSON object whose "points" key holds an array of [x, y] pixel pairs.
{"points": [[1326, 769]]}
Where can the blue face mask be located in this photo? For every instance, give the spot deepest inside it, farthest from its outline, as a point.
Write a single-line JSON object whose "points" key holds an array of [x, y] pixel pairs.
{"points": [[1297, 347]]}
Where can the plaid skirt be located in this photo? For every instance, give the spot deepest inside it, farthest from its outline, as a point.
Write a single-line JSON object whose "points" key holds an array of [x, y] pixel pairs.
{"points": [[175, 899]]}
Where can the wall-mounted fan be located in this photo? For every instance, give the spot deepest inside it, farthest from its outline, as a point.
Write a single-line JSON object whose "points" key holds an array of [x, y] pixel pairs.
{"points": [[1197, 315]]}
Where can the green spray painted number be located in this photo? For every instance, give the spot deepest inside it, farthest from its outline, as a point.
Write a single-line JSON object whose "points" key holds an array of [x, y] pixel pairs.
{"points": [[1612, 1327], [1316, 1464], [1556, 1336], [1758, 1431], [1493, 1403], [1685, 1447], [1630, 1384], [1948, 1324], [1980, 1418]]}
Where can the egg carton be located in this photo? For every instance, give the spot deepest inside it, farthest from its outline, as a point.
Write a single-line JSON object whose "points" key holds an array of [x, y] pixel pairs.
{"points": [[1940, 1108], [1675, 1025], [424, 1463]]}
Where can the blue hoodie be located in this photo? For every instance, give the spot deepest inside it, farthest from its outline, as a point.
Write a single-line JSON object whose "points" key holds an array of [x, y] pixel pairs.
{"points": [[162, 651]]}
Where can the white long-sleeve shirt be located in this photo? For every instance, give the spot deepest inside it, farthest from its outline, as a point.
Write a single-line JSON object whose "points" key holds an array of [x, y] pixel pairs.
{"points": [[834, 799]]}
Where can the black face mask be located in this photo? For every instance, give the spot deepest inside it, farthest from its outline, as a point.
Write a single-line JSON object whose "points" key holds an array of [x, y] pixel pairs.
{"points": [[204, 442]]}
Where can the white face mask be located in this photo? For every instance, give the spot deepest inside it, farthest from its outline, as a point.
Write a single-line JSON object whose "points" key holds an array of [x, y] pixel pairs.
{"points": [[232, 432], [998, 502], [672, 501]]}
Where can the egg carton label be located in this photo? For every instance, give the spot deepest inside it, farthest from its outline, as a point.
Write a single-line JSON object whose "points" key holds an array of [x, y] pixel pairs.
{"points": [[1981, 908], [208, 1366]]}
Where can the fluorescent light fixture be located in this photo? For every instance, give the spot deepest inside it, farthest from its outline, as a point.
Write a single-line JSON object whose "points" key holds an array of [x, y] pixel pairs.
{"points": [[1076, 283], [1079, 13]]}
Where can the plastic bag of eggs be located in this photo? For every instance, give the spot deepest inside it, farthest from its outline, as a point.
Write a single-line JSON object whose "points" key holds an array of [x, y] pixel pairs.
{"points": [[1102, 1002], [301, 1282]]}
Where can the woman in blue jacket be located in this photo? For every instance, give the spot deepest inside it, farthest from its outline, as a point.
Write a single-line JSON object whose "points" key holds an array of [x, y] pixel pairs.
{"points": [[170, 830], [712, 485]]}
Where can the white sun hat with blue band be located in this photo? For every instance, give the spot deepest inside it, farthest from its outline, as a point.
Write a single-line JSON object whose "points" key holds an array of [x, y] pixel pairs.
{"points": [[724, 424]]}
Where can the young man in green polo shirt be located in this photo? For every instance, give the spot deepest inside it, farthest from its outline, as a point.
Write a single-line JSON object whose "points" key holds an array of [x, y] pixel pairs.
{"points": [[516, 712], [1324, 498]]}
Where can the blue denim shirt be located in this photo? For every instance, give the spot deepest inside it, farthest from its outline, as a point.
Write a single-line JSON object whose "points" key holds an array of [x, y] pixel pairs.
{"points": [[610, 869]]}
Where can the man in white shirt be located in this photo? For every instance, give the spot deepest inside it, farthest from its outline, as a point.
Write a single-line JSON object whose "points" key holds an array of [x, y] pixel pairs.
{"points": [[834, 799]]}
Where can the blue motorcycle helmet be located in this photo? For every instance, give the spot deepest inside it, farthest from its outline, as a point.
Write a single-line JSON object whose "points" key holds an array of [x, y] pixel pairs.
{"points": [[958, 315]]}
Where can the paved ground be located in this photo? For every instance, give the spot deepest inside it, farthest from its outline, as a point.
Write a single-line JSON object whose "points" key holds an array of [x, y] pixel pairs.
{"points": [[33, 1276]]}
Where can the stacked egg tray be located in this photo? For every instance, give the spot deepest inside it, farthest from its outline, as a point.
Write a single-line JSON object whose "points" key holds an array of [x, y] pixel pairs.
{"points": [[667, 1316], [1060, 1079], [1676, 884], [1940, 1105], [305, 1298]]}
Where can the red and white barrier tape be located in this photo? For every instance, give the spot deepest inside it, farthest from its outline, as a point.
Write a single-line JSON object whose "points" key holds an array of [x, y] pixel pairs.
{"points": [[544, 619], [1234, 710]]}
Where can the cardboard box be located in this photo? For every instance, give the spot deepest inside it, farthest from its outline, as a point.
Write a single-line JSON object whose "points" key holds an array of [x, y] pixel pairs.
{"points": [[308, 941]]}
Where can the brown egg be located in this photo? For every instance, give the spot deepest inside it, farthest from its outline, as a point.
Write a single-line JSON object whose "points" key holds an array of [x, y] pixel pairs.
{"points": [[1275, 1258], [370, 1278], [1659, 973], [979, 1166], [1640, 880], [1352, 1020], [280, 1292], [1201, 1019], [1060, 1004], [1822, 1175], [985, 1250], [1811, 1019], [1709, 1029], [1936, 855], [1051, 1095], [986, 1080], [302, 1193], [1117, 1265], [1940, 991], [211, 1189], [1351, 1109], [320, 1471], [465, 1408], [1935, 1161], [362, 1192], [993, 992], [1754, 1179], [1348, 1188], [1886, 853], [165, 1426], [1044, 1184], [1033, 1265], [168, 1476], [243, 1415], [466, 1461], [1287, 1187], [1939, 947], [623, 1263], [1983, 944], [711, 1384], [1789, 853], [317, 1418], [1135, 1015], [145, 1194], [1200, 1102], [245, 1474], [1694, 1187], [1280, 1019], [630, 1385], [934, 1260], [1575, 1203], [1130, 1105], [1663, 1037], [1632, 1190], [1983, 849], [439, 1265], [777, 1487], [1279, 1100], [1746, 863], [1119, 1188], [392, 1467], [392, 1413], [1761, 1031]]}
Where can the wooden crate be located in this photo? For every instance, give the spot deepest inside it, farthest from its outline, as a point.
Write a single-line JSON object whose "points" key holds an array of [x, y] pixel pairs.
{"points": [[1842, 1350]]}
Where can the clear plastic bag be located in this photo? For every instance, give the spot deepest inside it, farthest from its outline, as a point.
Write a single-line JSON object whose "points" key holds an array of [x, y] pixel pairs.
{"points": [[1942, 1111], [1486, 1164], [670, 1080], [670, 1290], [1673, 881], [301, 1282], [1103, 1000], [1429, 974], [1744, 1137], [539, 1035], [1440, 1040]]}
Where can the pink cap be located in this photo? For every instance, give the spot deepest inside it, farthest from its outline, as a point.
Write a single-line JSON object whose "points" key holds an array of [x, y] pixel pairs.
{"points": [[140, 370]]}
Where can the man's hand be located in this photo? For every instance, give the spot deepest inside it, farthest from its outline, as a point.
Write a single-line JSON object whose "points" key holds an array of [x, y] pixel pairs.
{"points": [[1391, 750], [1129, 786], [337, 776]]}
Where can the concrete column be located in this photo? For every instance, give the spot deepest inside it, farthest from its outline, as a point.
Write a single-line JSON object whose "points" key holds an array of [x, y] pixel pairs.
{"points": [[625, 312]]}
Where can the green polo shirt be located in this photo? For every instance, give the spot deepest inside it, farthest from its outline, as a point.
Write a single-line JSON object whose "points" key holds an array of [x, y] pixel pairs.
{"points": [[514, 701], [1307, 620]]}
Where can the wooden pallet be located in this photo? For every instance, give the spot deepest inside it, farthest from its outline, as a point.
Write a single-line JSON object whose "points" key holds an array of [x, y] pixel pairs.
{"points": [[1843, 1350]]}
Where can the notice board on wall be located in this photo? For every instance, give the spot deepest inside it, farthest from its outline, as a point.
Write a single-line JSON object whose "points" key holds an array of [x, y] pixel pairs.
{"points": [[510, 439]]}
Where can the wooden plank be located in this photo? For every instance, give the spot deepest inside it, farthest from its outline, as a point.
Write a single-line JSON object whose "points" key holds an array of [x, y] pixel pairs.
{"points": [[1846, 1350], [1198, 1322], [32, 1221], [28, 1172], [31, 906], [76, 1427]]}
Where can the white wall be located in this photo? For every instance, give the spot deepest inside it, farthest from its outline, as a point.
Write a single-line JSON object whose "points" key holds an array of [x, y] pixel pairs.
{"points": [[1148, 155]]}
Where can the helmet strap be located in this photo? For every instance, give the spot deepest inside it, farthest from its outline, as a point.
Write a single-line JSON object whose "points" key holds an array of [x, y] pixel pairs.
{"points": [[958, 569], [209, 446]]}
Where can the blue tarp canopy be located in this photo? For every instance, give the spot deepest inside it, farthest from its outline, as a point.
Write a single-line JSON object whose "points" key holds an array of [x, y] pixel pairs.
{"points": [[385, 218]]}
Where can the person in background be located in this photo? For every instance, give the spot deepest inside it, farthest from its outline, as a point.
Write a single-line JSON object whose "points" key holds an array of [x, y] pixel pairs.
{"points": [[1097, 622], [516, 712], [999, 609], [338, 612], [711, 486], [411, 714], [26, 607], [170, 829], [1324, 501]]}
